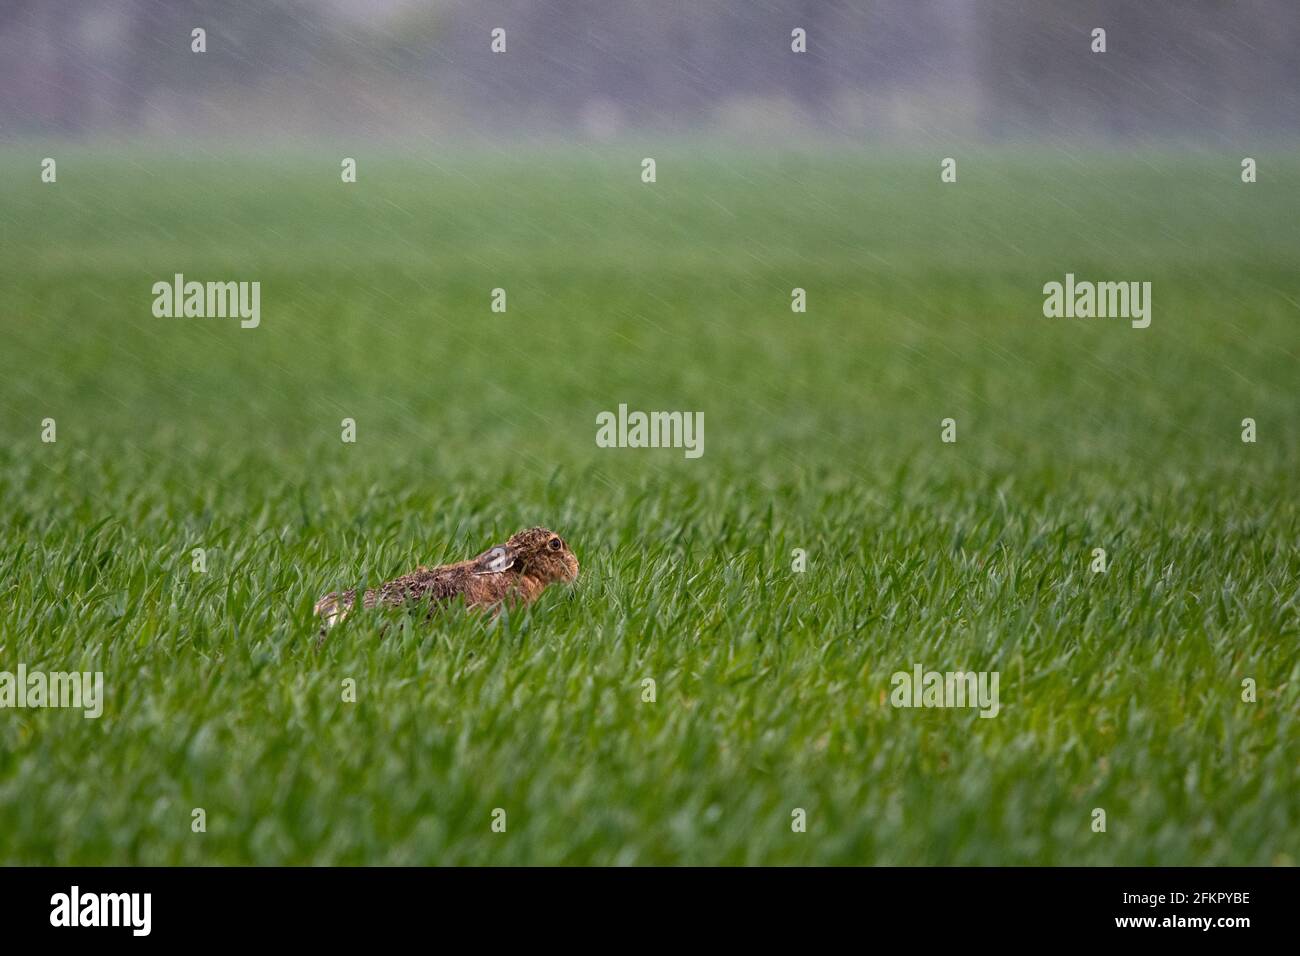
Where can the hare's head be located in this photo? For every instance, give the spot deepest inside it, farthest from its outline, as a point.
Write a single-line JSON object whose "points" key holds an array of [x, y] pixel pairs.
{"points": [[537, 552]]}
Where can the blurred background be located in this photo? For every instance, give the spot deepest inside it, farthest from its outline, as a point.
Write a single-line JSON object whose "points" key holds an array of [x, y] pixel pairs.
{"points": [[925, 70]]}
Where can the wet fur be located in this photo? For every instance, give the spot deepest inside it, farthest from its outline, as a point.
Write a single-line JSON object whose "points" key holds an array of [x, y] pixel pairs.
{"points": [[514, 573]]}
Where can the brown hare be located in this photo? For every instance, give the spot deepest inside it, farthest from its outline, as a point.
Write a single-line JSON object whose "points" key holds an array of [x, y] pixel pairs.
{"points": [[512, 573]]}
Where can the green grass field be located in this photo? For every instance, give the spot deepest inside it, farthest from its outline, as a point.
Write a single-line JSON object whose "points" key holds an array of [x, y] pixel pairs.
{"points": [[1120, 691]]}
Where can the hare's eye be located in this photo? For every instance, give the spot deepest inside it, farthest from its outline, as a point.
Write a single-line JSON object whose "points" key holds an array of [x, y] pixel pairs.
{"points": [[555, 544]]}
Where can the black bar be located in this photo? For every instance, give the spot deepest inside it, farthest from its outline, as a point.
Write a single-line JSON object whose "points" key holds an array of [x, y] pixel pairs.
{"points": [[334, 906]]}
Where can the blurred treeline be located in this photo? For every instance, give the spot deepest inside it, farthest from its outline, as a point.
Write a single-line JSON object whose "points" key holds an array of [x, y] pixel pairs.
{"points": [[921, 69]]}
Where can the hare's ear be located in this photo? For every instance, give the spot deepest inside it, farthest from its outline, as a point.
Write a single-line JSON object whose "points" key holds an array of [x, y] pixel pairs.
{"points": [[495, 560]]}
